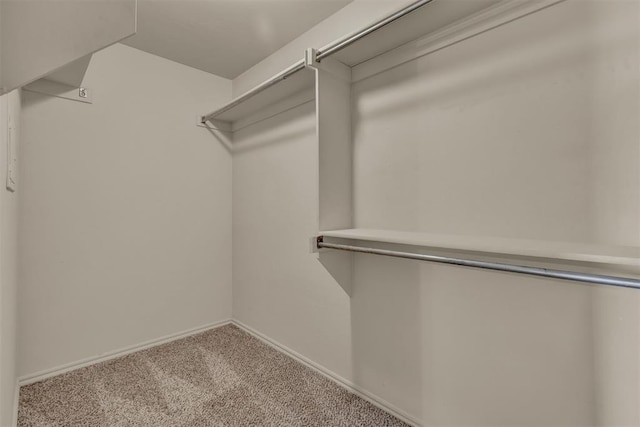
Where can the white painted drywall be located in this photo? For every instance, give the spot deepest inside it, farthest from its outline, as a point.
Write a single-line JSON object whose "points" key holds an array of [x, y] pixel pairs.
{"points": [[125, 231], [280, 289], [528, 131], [39, 37], [1, 50], [9, 106], [616, 320], [540, 145]]}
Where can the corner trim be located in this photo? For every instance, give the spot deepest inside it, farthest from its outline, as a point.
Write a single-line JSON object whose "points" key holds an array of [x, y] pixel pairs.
{"points": [[114, 354], [350, 386]]}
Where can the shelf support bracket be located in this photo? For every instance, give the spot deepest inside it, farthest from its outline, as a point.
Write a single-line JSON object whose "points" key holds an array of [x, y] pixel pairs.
{"points": [[311, 58], [330, 65]]}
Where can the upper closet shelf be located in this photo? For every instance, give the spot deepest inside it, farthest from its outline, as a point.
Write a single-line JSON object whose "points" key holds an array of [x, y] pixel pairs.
{"points": [[589, 253], [293, 80], [409, 23], [431, 17]]}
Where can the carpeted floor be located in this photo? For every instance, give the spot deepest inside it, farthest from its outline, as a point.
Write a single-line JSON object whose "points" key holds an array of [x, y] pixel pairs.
{"points": [[222, 377]]}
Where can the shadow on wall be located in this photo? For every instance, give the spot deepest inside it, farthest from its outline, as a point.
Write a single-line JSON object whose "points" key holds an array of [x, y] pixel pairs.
{"points": [[467, 347], [224, 138], [529, 122], [387, 330], [340, 266], [291, 132], [616, 352], [463, 71]]}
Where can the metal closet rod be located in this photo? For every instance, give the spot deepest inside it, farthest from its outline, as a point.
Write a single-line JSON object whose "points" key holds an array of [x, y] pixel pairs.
{"points": [[323, 53], [349, 40], [597, 279]]}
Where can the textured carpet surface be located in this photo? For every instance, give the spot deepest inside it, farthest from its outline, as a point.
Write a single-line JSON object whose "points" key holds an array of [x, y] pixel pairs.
{"points": [[222, 377]]}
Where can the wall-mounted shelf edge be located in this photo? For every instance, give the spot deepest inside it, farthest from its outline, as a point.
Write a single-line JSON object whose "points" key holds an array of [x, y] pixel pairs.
{"points": [[409, 33], [627, 256], [385, 34], [276, 89], [487, 19], [561, 251], [59, 90]]}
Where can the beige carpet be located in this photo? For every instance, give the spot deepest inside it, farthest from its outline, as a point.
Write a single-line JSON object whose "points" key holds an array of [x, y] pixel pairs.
{"points": [[222, 377]]}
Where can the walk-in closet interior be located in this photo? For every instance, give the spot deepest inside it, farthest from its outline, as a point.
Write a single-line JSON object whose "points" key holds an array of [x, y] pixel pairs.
{"points": [[320, 213]]}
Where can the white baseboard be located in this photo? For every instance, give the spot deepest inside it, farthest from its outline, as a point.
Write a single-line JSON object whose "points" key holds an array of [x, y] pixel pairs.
{"points": [[52, 372], [369, 397], [16, 400], [355, 389]]}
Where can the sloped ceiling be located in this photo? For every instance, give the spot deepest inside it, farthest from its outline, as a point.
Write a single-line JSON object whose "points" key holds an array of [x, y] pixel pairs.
{"points": [[224, 37]]}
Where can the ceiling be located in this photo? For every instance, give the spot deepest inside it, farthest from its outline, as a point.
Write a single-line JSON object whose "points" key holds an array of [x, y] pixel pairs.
{"points": [[224, 37]]}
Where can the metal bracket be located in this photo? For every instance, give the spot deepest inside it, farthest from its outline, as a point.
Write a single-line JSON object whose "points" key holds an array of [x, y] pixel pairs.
{"points": [[213, 124], [314, 244], [310, 58], [329, 65], [60, 90]]}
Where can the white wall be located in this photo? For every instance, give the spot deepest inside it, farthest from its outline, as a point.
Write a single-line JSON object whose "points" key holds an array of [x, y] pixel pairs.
{"points": [[616, 319], [125, 231], [541, 144], [9, 106], [526, 131], [1, 50], [279, 288]]}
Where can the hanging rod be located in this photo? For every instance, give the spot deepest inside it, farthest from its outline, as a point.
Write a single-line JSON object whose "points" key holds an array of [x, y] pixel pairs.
{"points": [[623, 282], [327, 51], [349, 40]]}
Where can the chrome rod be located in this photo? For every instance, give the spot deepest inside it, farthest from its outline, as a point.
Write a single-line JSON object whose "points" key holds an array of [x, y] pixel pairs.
{"points": [[623, 282], [298, 66], [349, 40]]}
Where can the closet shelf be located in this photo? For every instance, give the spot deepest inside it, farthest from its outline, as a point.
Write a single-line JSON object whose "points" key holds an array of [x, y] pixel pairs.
{"points": [[279, 89], [628, 256], [413, 21], [422, 21]]}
